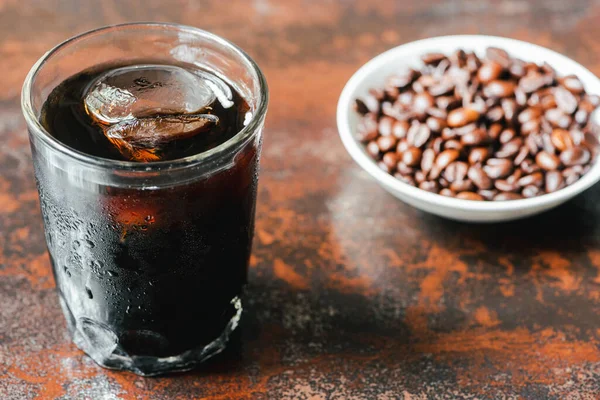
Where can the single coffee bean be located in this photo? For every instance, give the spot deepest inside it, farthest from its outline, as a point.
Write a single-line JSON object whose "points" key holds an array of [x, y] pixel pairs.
{"points": [[386, 143], [420, 176], [571, 179], [497, 168], [372, 100], [390, 159], [449, 133], [430, 186], [521, 155], [446, 157], [510, 149], [443, 183], [412, 157], [441, 88], [400, 129], [489, 71], [575, 156], [515, 176], [447, 192], [422, 102], [474, 138], [533, 81], [547, 161], [547, 102], [453, 144], [507, 135], [498, 55], [534, 143], [462, 186], [373, 149], [531, 191], [582, 117], [422, 135], [495, 114], [427, 160], [529, 114], [437, 113], [520, 97], [575, 169], [517, 69], [469, 196], [402, 146], [461, 117], [499, 89], [488, 194], [577, 136], [504, 196], [432, 58], [561, 139], [405, 169], [456, 171], [565, 100], [479, 178], [436, 124], [504, 185], [463, 130], [385, 125], [510, 108], [536, 179], [529, 166], [366, 130], [494, 131], [554, 181], [530, 127], [478, 155]]}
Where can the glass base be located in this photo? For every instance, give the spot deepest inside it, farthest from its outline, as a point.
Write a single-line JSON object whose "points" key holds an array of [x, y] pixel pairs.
{"points": [[102, 345]]}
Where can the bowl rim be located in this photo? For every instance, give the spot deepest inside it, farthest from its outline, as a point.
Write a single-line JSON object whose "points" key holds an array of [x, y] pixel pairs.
{"points": [[357, 152]]}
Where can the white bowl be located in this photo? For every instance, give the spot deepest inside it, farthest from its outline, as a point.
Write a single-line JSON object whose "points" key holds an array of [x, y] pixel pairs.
{"points": [[373, 74]]}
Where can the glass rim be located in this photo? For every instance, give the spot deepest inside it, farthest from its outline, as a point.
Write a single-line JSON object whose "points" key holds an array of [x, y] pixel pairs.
{"points": [[238, 139]]}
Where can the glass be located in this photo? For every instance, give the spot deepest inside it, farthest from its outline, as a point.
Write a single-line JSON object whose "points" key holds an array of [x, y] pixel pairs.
{"points": [[149, 259]]}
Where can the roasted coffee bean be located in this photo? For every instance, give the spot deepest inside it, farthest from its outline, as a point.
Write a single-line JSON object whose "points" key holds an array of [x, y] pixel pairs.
{"points": [[561, 139], [412, 157], [475, 138], [488, 194], [521, 155], [492, 129], [503, 196], [420, 176], [386, 143], [531, 191], [461, 117], [497, 168], [479, 178], [430, 186], [575, 156], [510, 149], [447, 192], [469, 196], [529, 114], [462, 186], [390, 159], [373, 149], [554, 181], [402, 146], [547, 161], [405, 169], [366, 130], [565, 100], [384, 167], [536, 179], [478, 155], [400, 129], [499, 89], [489, 71], [504, 185], [456, 171], [558, 118], [507, 135]]}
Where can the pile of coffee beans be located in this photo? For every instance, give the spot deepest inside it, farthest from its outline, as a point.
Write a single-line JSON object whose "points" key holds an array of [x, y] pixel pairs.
{"points": [[491, 128]]}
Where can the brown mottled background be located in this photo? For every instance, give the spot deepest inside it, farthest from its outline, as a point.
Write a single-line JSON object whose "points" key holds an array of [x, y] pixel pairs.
{"points": [[353, 295]]}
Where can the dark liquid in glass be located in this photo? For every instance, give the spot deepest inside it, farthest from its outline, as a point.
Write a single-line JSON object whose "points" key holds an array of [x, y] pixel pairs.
{"points": [[152, 272]]}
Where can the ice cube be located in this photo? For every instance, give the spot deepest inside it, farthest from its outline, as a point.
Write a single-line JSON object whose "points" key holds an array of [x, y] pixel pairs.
{"points": [[145, 90], [141, 138]]}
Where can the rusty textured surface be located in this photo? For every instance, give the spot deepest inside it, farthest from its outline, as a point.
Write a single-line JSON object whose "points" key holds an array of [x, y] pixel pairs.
{"points": [[353, 295]]}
